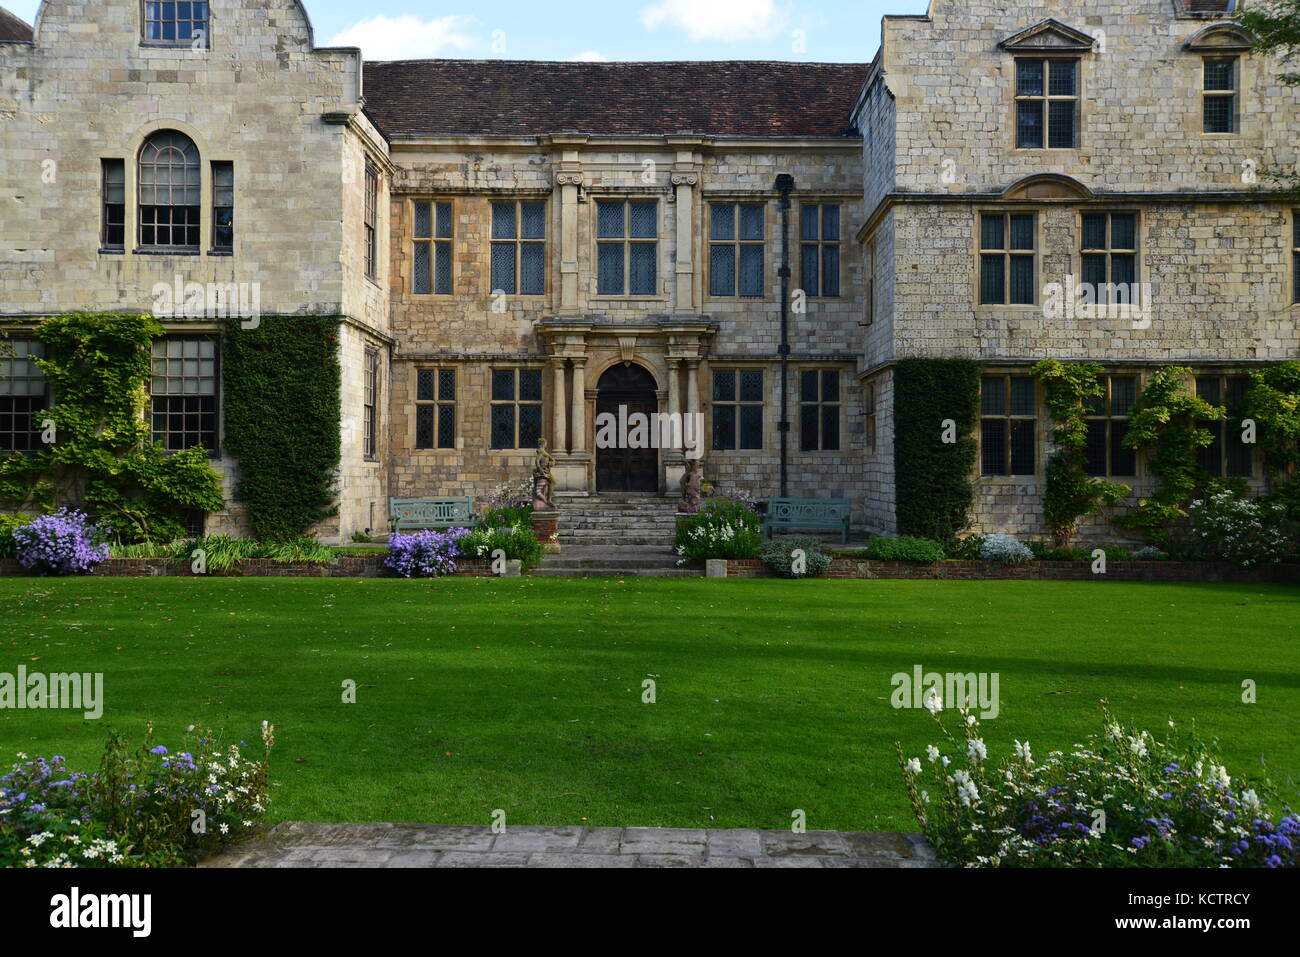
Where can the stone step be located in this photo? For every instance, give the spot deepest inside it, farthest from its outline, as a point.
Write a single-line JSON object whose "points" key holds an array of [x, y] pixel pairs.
{"points": [[617, 573]]}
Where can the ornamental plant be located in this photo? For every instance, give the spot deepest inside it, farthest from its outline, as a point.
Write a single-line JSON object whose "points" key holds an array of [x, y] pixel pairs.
{"points": [[517, 541], [8, 525], [427, 554], [1005, 550], [904, 548], [1229, 528], [65, 543], [723, 528], [1123, 799], [136, 810], [778, 555]]}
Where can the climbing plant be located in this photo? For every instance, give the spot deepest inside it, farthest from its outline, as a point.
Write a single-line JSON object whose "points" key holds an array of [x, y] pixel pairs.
{"points": [[1164, 422], [1273, 405], [97, 452], [1071, 492], [935, 406], [283, 419]]}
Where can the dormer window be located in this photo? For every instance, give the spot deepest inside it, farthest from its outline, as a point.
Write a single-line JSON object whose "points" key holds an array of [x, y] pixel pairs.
{"points": [[179, 24]]}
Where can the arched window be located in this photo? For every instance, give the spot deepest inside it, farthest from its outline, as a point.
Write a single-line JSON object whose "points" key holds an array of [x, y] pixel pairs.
{"points": [[169, 191]]}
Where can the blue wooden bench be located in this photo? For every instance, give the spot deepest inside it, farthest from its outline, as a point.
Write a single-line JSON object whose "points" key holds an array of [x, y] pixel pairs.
{"points": [[418, 514], [831, 513]]}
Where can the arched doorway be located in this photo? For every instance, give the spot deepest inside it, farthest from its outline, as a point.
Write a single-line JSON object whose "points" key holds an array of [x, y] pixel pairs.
{"points": [[623, 391]]}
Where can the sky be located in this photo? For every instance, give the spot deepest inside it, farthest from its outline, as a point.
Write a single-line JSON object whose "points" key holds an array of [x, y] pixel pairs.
{"points": [[808, 30]]}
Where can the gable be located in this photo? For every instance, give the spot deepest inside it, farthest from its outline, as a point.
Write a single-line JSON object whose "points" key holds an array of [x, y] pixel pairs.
{"points": [[1051, 36]]}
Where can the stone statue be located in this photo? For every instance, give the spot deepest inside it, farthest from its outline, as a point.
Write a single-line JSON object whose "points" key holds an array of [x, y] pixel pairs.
{"points": [[543, 479], [691, 479]]}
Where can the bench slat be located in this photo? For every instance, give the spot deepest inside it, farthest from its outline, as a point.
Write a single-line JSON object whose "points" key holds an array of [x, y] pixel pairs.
{"points": [[808, 513]]}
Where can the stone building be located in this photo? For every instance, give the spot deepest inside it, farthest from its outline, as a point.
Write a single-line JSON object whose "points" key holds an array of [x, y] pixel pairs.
{"points": [[514, 249]]}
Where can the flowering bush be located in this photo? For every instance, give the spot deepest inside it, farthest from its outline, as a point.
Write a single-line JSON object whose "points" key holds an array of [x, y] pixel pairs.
{"points": [[1005, 550], [65, 543], [427, 554], [1232, 529], [517, 541], [1124, 799], [145, 808], [723, 528], [778, 555]]}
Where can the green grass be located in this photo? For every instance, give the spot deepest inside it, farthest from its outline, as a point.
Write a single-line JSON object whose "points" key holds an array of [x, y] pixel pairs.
{"points": [[526, 694]]}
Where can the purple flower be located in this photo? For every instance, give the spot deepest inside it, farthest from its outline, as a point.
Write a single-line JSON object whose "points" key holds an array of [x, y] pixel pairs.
{"points": [[65, 543], [158, 750], [426, 554]]}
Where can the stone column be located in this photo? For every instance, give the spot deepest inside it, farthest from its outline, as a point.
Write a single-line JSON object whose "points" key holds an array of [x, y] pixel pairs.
{"points": [[674, 396], [684, 184], [559, 426], [693, 399], [579, 405]]}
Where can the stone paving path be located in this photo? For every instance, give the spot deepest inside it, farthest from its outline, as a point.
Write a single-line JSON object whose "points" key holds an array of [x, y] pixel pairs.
{"points": [[297, 844]]}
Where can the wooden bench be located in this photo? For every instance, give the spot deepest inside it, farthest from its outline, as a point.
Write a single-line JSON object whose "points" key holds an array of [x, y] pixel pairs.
{"points": [[418, 514], [832, 513]]}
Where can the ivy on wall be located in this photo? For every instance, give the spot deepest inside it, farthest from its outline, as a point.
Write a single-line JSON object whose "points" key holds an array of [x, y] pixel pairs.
{"points": [[1071, 492], [283, 418], [1273, 403], [933, 476], [1164, 422], [102, 457]]}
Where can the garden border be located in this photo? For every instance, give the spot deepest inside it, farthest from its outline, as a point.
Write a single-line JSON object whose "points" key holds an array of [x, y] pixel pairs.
{"points": [[1130, 571]]}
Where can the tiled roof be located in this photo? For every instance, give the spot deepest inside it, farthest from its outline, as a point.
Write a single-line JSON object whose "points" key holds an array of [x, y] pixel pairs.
{"points": [[11, 28], [523, 97]]}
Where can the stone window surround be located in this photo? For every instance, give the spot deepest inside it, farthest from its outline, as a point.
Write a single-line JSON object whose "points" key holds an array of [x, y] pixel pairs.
{"points": [[625, 196], [1047, 97], [518, 242], [370, 222], [1039, 419], [709, 242], [983, 308], [738, 403], [372, 405], [218, 393], [1139, 237], [176, 44], [1110, 418], [409, 241], [1233, 95], [1295, 257], [130, 160], [436, 368], [517, 403], [846, 380], [1223, 428], [797, 242]]}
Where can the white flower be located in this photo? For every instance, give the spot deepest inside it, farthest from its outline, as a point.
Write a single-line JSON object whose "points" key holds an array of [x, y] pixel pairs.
{"points": [[975, 750], [932, 752], [1250, 800], [1023, 752], [1138, 745], [913, 766], [933, 702]]}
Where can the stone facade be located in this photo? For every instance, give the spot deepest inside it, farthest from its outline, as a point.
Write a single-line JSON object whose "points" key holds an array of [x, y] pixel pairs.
{"points": [[922, 147]]}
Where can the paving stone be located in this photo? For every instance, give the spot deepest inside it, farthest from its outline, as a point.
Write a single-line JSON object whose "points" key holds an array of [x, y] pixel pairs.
{"points": [[812, 843], [538, 839], [665, 840], [414, 859], [735, 843], [455, 839], [547, 859], [883, 845], [601, 840], [482, 859]]}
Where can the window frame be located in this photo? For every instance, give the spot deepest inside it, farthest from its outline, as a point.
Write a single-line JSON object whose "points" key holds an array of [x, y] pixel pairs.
{"points": [[1110, 419], [739, 404], [627, 241], [737, 244], [519, 242], [870, 410], [370, 221], [822, 244], [1047, 98], [437, 403], [1009, 417], [1110, 250], [1223, 428], [217, 245], [435, 243], [1295, 257], [37, 402], [821, 404], [176, 42], [1231, 94], [214, 452], [370, 394], [516, 403], [106, 225], [1007, 254], [141, 206]]}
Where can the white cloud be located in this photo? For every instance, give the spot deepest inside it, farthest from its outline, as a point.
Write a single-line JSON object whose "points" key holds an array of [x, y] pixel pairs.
{"points": [[589, 56], [408, 37], [725, 21]]}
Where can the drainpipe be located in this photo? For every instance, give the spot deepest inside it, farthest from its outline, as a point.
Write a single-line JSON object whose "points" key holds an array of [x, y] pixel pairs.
{"points": [[784, 185]]}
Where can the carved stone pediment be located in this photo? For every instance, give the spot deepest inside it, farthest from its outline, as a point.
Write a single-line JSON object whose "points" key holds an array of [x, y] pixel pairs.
{"points": [[1221, 38], [1049, 36]]}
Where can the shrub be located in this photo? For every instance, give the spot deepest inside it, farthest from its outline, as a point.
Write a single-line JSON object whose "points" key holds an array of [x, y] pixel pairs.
{"points": [[8, 524], [904, 548], [508, 516], [137, 810], [518, 542], [778, 555], [1149, 553], [1124, 799], [1228, 528], [427, 554], [1005, 550], [965, 549], [65, 543], [723, 528]]}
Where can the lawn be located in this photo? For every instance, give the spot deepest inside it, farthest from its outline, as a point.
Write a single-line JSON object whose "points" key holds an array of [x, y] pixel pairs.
{"points": [[525, 694]]}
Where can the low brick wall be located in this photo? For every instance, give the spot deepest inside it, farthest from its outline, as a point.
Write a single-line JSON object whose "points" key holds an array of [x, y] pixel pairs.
{"points": [[346, 566], [858, 568]]}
